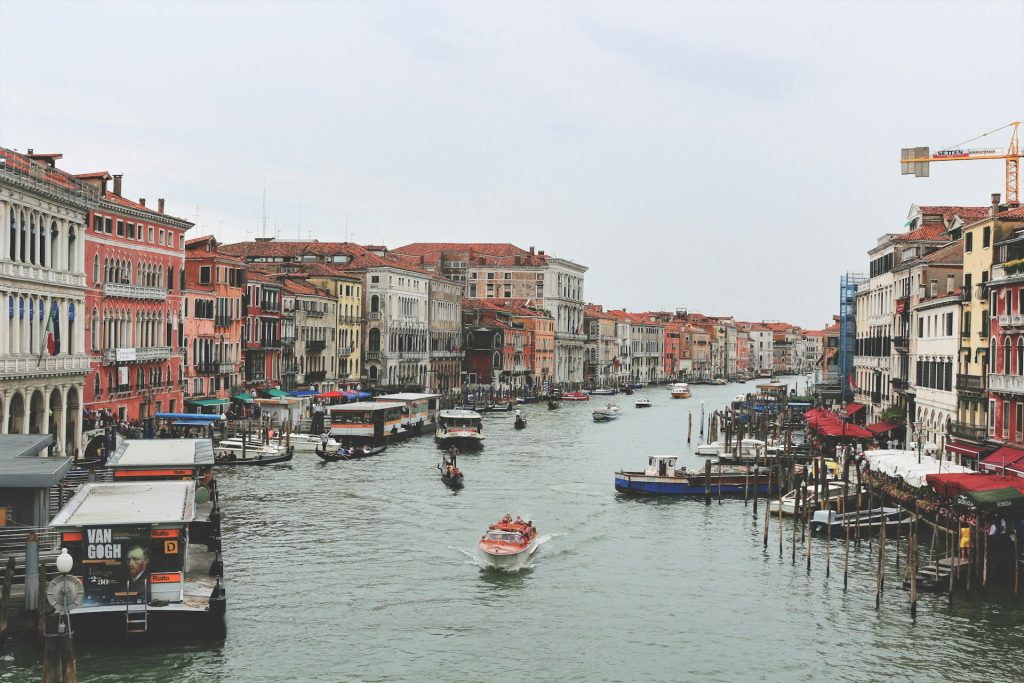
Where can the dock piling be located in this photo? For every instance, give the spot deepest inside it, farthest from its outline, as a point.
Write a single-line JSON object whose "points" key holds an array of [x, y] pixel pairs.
{"points": [[5, 598], [707, 482]]}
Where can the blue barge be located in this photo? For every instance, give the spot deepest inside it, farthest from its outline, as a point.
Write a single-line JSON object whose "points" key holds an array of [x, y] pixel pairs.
{"points": [[662, 478]]}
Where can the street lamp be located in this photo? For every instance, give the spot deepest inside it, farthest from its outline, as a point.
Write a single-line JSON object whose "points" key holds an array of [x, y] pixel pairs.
{"points": [[917, 427], [64, 561]]}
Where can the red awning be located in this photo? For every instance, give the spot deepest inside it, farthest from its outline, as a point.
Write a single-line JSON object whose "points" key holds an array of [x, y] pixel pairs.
{"points": [[965, 449], [882, 427], [1002, 457], [852, 408], [329, 394], [957, 484], [847, 431]]}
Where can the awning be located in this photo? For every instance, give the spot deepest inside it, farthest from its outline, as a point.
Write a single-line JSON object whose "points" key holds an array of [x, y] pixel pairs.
{"points": [[852, 408], [276, 393], [305, 392], [205, 402], [330, 394], [1000, 498], [1002, 458], [243, 397], [350, 393], [363, 394], [953, 485], [966, 450], [882, 427], [847, 431]]}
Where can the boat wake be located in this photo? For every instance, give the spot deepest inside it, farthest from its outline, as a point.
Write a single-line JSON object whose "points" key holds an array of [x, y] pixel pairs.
{"points": [[473, 557]]}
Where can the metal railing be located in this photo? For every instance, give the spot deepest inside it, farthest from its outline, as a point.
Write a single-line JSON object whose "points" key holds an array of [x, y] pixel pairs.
{"points": [[970, 383], [141, 355], [372, 355], [315, 345], [134, 291], [968, 431], [222, 321]]}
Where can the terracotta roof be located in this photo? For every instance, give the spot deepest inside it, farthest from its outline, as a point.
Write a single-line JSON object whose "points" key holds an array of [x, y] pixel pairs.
{"points": [[515, 307], [928, 231], [361, 257], [967, 213], [1017, 212], [157, 216], [17, 162], [103, 175], [949, 254], [501, 253]]}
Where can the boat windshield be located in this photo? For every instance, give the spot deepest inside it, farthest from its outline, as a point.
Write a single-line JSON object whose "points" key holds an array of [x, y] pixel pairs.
{"points": [[504, 537]]}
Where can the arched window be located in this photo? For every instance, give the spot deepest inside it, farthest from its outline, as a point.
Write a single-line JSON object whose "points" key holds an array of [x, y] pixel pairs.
{"points": [[94, 330], [31, 238], [1020, 355], [12, 236], [21, 223], [374, 304], [374, 340], [42, 244], [992, 355], [54, 242], [70, 346], [96, 269], [1007, 370], [72, 248]]}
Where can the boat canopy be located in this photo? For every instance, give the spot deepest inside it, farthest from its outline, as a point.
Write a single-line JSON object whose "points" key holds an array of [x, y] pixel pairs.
{"points": [[128, 503], [145, 453], [206, 402]]}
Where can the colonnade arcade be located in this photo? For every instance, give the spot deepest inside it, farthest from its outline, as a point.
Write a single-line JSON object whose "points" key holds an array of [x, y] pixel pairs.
{"points": [[47, 409], [24, 318]]}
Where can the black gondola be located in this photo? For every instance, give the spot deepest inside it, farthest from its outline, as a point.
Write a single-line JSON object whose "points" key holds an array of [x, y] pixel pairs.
{"points": [[520, 422], [451, 475], [553, 405], [355, 453], [627, 391], [232, 459]]}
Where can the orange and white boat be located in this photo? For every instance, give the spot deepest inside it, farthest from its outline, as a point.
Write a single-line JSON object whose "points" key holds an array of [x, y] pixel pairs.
{"points": [[508, 544]]}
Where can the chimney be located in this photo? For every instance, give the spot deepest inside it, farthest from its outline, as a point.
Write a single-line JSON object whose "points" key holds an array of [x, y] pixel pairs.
{"points": [[160, 205], [994, 209], [540, 253], [531, 251], [142, 200], [117, 183]]}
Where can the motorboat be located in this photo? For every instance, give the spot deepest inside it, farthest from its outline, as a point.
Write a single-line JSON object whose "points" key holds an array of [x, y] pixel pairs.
{"points": [[462, 428], [866, 521], [576, 396], [353, 453], [608, 412], [508, 544], [503, 407], [520, 422], [713, 448], [603, 392], [301, 442], [239, 452], [833, 492], [748, 450], [643, 403], [662, 477], [680, 390]]}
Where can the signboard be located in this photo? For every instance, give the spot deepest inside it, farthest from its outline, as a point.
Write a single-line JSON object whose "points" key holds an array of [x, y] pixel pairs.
{"points": [[966, 153], [122, 377], [125, 354], [115, 565]]}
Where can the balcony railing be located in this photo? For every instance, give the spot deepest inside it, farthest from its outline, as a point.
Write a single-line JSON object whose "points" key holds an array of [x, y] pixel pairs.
{"points": [[899, 384], [316, 375], [373, 316], [131, 354], [255, 375], [315, 314], [315, 345], [1008, 321], [272, 343], [372, 355], [902, 344], [207, 368], [971, 432], [134, 291], [33, 366], [970, 384], [39, 274], [225, 367], [1007, 384]]}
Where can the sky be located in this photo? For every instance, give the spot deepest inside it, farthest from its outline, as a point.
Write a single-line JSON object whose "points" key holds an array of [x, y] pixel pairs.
{"points": [[729, 158]]}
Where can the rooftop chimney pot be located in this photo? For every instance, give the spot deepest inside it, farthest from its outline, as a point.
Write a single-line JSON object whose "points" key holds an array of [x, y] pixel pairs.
{"points": [[994, 209], [160, 205], [142, 200], [117, 183]]}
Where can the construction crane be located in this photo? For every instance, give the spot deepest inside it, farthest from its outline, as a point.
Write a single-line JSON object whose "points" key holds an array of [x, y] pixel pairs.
{"points": [[915, 160]]}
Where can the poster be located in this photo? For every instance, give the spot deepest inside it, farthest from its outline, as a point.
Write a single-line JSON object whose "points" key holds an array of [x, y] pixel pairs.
{"points": [[115, 565]]}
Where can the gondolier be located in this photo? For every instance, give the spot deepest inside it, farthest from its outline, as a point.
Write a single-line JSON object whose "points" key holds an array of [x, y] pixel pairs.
{"points": [[324, 439]]}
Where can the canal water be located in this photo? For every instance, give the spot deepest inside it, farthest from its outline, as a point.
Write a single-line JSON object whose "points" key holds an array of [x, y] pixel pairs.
{"points": [[366, 571]]}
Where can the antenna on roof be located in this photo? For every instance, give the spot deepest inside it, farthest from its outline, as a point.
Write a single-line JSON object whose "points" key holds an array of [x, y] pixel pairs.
{"points": [[263, 229]]}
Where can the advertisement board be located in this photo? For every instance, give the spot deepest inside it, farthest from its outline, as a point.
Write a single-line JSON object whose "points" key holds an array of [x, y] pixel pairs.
{"points": [[115, 565]]}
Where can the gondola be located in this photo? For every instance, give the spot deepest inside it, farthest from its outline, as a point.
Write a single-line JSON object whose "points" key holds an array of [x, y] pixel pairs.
{"points": [[553, 405], [520, 422], [357, 454], [452, 480], [451, 475], [232, 459]]}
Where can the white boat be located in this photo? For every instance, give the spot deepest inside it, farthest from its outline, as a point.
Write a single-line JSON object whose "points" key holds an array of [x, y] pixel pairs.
{"points": [[834, 493], [508, 544], [680, 390], [463, 428], [609, 412], [643, 403], [306, 442], [234, 452], [749, 448]]}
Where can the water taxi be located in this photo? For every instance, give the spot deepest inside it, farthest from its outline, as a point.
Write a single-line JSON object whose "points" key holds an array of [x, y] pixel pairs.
{"points": [[663, 478], [643, 403], [366, 422], [419, 411], [603, 392], [141, 574], [575, 396], [680, 390], [608, 412], [462, 428], [508, 544]]}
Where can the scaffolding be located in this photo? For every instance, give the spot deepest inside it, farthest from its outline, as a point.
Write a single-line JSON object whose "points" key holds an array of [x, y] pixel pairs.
{"points": [[848, 284]]}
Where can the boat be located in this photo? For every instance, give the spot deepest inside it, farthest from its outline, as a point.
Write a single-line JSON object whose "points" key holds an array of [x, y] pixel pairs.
{"points": [[628, 391], [553, 404], [526, 399], [718, 381], [609, 412], [462, 428], [868, 521], [301, 442], [237, 452], [502, 408], [520, 421], [643, 403], [635, 385], [451, 475], [662, 477], [508, 544], [749, 449], [680, 390], [603, 392], [576, 396], [354, 453], [833, 492]]}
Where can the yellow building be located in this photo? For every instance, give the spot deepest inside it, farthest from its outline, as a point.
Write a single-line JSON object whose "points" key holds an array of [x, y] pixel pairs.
{"points": [[348, 290]]}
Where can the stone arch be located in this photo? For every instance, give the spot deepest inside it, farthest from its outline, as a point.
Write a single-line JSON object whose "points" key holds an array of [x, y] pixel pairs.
{"points": [[56, 414], [16, 416], [37, 418], [72, 423]]}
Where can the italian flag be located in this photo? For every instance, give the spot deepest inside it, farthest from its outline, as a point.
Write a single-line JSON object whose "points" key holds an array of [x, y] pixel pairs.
{"points": [[53, 331]]}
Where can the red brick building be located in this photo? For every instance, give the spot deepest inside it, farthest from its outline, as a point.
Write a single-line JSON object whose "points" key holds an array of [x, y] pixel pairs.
{"points": [[261, 331], [134, 264]]}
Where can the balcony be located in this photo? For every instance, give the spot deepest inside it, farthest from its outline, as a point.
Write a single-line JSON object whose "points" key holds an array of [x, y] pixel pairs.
{"points": [[315, 345], [971, 385], [272, 343], [315, 314], [962, 430], [206, 368], [255, 375], [225, 368], [372, 355], [315, 376], [131, 354], [1015, 321], [373, 316], [134, 291], [965, 294], [899, 384], [288, 339], [1006, 384], [902, 344], [38, 274], [33, 366]]}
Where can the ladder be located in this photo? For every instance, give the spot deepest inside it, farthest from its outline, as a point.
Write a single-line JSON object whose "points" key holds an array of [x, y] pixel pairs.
{"points": [[136, 618]]}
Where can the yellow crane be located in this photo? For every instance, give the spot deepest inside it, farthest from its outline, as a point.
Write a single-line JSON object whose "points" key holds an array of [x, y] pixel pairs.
{"points": [[915, 160]]}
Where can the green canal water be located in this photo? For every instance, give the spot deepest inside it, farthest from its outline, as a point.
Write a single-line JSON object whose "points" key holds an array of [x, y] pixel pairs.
{"points": [[366, 571]]}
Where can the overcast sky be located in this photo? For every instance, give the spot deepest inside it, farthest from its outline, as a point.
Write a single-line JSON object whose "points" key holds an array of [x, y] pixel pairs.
{"points": [[730, 158]]}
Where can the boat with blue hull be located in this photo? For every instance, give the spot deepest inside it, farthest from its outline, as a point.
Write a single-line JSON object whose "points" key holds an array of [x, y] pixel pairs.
{"points": [[662, 478]]}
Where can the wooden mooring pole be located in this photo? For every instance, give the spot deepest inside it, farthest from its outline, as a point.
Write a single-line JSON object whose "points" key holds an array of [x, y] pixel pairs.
{"points": [[5, 598], [707, 482]]}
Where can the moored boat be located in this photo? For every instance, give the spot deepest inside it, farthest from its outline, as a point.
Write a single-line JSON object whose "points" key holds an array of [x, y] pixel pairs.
{"points": [[661, 477], [607, 413], [643, 403], [680, 390], [244, 452], [508, 544], [603, 392], [462, 428], [833, 492], [859, 521], [352, 453], [576, 396]]}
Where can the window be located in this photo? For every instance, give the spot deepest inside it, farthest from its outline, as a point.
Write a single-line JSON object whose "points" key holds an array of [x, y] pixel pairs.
{"points": [[986, 239], [1020, 419], [920, 327], [204, 275], [949, 324], [97, 223], [120, 228], [108, 224], [991, 417], [150, 240], [375, 279], [161, 241], [969, 242], [131, 231], [1006, 418]]}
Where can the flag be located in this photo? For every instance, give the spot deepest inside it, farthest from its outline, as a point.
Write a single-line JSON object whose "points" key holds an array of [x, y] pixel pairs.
{"points": [[52, 333], [853, 383]]}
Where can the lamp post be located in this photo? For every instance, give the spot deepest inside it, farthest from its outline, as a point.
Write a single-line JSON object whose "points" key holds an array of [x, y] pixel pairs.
{"points": [[917, 432]]}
